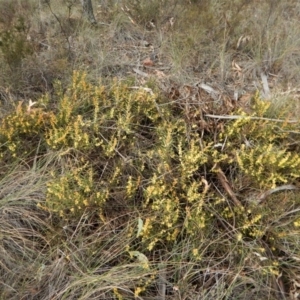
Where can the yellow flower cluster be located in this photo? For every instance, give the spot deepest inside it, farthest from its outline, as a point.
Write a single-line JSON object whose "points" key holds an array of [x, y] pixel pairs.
{"points": [[26, 122], [74, 192], [121, 145], [268, 165]]}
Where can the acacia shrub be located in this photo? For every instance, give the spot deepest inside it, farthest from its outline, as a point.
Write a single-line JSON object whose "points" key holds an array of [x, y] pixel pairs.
{"points": [[121, 149]]}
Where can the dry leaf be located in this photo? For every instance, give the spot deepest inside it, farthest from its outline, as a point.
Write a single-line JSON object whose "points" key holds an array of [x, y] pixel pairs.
{"points": [[148, 62]]}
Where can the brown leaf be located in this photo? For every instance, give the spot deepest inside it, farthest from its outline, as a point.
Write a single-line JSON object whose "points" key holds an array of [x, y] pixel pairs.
{"points": [[148, 62]]}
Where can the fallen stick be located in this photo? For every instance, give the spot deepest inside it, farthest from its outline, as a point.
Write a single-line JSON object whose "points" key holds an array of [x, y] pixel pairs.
{"points": [[236, 117]]}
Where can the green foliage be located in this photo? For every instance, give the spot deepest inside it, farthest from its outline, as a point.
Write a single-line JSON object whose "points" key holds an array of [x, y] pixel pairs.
{"points": [[146, 11], [14, 44]]}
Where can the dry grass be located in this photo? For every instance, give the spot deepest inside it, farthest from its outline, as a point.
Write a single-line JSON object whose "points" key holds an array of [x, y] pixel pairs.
{"points": [[229, 44]]}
